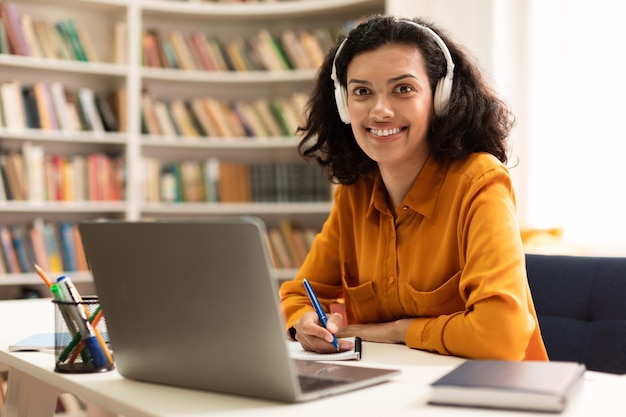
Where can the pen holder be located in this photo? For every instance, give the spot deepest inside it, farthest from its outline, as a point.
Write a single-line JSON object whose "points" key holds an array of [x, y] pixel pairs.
{"points": [[81, 338]]}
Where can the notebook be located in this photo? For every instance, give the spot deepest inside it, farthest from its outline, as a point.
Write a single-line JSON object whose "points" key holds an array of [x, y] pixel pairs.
{"points": [[524, 385], [195, 304]]}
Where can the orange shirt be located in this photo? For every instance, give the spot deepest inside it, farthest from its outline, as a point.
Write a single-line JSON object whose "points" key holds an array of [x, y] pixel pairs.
{"points": [[452, 259]]}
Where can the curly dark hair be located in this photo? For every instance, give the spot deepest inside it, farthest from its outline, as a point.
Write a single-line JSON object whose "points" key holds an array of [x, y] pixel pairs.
{"points": [[476, 120]]}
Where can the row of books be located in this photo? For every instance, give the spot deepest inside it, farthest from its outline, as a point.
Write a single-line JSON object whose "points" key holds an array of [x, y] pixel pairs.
{"points": [[264, 51], [213, 180], [36, 176], [52, 106], [289, 244], [209, 117], [20, 34], [55, 247]]}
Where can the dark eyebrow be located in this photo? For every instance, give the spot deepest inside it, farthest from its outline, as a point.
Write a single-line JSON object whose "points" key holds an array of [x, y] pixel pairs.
{"points": [[401, 77], [390, 81], [356, 81]]}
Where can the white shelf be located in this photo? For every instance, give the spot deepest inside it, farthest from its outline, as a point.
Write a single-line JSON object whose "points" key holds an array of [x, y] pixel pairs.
{"points": [[95, 138], [236, 208], [46, 64], [280, 10], [219, 77], [31, 278], [43, 207]]}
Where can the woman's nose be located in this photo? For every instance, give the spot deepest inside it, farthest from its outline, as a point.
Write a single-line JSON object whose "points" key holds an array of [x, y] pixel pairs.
{"points": [[382, 109]]}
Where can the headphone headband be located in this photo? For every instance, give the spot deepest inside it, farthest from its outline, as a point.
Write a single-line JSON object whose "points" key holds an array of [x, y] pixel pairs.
{"points": [[443, 90]]}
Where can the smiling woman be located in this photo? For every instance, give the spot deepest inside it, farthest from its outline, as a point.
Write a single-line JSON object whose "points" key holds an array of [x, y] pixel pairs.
{"points": [[422, 243]]}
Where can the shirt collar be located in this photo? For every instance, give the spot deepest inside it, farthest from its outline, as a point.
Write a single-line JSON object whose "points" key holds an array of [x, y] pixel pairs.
{"points": [[423, 194]]}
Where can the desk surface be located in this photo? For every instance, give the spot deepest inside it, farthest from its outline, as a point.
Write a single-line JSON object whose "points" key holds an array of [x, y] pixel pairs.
{"points": [[404, 395]]}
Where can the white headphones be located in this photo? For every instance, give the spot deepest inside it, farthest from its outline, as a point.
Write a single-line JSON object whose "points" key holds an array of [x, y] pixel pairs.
{"points": [[443, 90]]}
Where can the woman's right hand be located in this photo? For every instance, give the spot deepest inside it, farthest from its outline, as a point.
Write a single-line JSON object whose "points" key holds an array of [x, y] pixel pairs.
{"points": [[315, 338]]}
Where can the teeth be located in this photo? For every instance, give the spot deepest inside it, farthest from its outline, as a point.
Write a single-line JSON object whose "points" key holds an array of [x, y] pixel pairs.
{"points": [[385, 132]]}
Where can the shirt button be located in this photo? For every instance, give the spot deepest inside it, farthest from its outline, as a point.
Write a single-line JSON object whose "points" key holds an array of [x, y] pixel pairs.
{"points": [[390, 280], [405, 208]]}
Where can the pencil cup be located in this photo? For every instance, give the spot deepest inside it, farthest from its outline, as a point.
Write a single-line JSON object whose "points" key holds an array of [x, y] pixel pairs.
{"points": [[81, 338]]}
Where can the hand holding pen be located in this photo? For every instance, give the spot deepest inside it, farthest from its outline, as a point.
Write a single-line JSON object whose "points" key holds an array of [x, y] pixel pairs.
{"points": [[318, 309]]}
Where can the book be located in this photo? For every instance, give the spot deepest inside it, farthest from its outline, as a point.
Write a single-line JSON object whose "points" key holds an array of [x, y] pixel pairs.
{"points": [[38, 342], [6, 241], [525, 385], [57, 93], [12, 103], [120, 50], [39, 246], [296, 351], [4, 41], [42, 342], [23, 247], [105, 111], [87, 100], [12, 24], [68, 30], [28, 31], [33, 157]]}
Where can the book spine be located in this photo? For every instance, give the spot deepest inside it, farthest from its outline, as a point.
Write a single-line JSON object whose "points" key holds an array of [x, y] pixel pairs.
{"points": [[15, 35]]}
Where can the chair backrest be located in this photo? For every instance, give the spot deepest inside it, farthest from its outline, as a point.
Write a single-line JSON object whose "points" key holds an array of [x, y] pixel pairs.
{"points": [[581, 305]]}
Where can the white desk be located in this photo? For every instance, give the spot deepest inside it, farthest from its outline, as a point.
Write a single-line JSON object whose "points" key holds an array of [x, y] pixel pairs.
{"points": [[34, 386]]}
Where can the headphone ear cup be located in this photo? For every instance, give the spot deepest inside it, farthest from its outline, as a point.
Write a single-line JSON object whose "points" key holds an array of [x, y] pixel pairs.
{"points": [[341, 98], [442, 96]]}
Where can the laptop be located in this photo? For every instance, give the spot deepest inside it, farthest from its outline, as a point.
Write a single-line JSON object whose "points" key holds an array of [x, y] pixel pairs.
{"points": [[195, 304]]}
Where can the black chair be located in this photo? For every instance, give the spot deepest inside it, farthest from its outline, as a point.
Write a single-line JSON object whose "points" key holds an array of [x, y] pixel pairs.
{"points": [[581, 305]]}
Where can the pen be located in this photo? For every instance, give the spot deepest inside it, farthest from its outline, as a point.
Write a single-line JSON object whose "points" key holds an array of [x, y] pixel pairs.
{"points": [[318, 309], [98, 351]]}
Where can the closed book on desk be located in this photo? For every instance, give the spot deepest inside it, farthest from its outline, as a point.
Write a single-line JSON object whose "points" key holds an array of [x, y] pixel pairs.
{"points": [[528, 385]]}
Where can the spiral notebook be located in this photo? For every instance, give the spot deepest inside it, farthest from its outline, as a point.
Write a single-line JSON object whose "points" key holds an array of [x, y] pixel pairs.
{"points": [[296, 351]]}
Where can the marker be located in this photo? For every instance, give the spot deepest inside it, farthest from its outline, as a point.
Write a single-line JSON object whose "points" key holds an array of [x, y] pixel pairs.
{"points": [[318, 309], [98, 353]]}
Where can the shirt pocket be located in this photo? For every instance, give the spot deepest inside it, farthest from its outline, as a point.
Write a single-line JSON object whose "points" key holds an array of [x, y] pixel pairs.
{"points": [[445, 299], [362, 303]]}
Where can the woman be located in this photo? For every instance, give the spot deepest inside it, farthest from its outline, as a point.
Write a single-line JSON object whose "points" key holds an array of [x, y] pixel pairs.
{"points": [[422, 243]]}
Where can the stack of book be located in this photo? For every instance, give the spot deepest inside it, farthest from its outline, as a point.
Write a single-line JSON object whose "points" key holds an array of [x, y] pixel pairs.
{"points": [[54, 246], [291, 49], [213, 180], [52, 106], [20, 34], [289, 244], [34, 175], [209, 117]]}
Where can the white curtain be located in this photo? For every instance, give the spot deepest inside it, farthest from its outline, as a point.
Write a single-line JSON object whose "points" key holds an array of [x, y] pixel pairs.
{"points": [[561, 65], [576, 144]]}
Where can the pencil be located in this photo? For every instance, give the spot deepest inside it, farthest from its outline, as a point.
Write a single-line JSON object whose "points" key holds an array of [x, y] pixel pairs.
{"points": [[43, 275]]}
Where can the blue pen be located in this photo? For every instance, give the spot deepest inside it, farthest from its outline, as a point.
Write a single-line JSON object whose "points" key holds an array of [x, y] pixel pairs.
{"points": [[318, 309]]}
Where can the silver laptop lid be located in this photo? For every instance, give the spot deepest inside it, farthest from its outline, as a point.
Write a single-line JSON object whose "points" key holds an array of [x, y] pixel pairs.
{"points": [[192, 303]]}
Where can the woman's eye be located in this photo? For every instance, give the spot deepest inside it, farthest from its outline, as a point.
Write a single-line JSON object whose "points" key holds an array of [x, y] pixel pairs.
{"points": [[361, 91], [403, 88]]}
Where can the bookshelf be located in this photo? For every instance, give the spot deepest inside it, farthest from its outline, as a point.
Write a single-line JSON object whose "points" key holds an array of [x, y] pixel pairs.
{"points": [[115, 29]]}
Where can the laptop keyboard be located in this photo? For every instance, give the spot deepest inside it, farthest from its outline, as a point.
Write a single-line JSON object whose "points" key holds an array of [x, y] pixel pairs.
{"points": [[312, 383]]}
